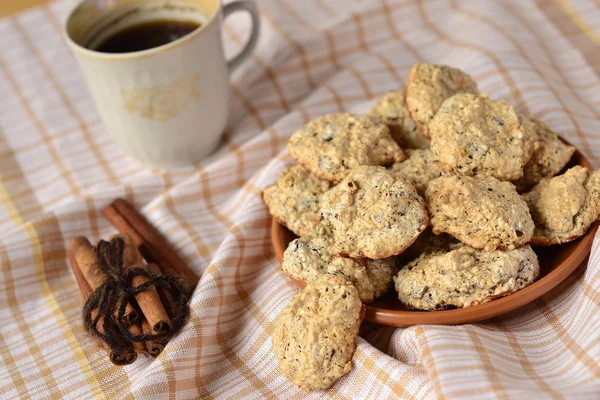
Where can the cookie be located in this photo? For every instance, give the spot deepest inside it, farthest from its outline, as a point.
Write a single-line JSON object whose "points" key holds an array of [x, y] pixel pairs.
{"points": [[391, 109], [373, 213], [427, 242], [549, 157], [308, 258], [473, 135], [564, 207], [464, 277], [331, 145], [420, 167], [482, 212], [428, 86], [294, 200], [315, 335]]}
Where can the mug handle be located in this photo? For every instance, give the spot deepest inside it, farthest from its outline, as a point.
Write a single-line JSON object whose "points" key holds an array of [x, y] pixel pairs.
{"points": [[250, 6]]}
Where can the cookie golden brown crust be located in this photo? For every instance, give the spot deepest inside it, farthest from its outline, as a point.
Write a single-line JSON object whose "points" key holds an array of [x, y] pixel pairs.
{"points": [[564, 207], [307, 259], [315, 335], [294, 200], [427, 242], [420, 167], [373, 213], [331, 145], [464, 277], [428, 86], [473, 135], [482, 212], [391, 109], [549, 157]]}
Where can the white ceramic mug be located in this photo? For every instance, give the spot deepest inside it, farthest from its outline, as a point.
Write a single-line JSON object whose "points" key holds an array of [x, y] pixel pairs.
{"points": [[167, 106]]}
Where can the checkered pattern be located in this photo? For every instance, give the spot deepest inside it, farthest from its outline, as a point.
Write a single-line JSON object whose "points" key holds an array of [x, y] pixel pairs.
{"points": [[58, 167]]}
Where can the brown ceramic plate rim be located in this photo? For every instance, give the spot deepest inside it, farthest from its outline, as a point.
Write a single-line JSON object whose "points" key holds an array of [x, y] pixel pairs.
{"points": [[480, 312]]}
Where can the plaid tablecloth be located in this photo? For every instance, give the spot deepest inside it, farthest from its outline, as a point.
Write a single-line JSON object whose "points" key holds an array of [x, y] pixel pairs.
{"points": [[58, 167]]}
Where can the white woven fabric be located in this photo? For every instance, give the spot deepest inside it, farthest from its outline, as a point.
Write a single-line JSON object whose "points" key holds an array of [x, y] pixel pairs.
{"points": [[58, 167]]}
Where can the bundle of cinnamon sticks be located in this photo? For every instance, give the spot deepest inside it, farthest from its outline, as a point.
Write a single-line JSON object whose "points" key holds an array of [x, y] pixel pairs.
{"points": [[150, 312]]}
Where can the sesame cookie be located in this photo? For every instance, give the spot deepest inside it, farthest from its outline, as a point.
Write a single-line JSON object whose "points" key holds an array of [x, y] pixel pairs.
{"points": [[294, 200], [391, 109], [428, 86], [473, 135], [464, 277], [331, 145], [564, 207], [373, 213], [315, 335], [420, 167], [308, 258], [549, 157], [482, 212]]}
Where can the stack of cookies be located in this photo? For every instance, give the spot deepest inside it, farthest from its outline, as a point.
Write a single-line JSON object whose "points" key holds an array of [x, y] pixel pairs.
{"points": [[439, 192]]}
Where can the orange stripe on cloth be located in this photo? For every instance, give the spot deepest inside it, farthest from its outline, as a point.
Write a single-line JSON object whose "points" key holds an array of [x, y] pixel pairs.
{"points": [[52, 305], [579, 21], [535, 67], [64, 98]]}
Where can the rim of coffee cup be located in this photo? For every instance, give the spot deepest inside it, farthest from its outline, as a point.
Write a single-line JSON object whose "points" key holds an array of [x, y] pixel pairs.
{"points": [[140, 53]]}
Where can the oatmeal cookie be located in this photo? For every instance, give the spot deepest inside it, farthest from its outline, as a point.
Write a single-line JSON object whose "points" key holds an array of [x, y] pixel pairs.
{"points": [[331, 145], [549, 157], [564, 207], [428, 86], [294, 200], [427, 242], [473, 135], [482, 212], [391, 109], [420, 167], [464, 277], [373, 213], [315, 335], [308, 258]]}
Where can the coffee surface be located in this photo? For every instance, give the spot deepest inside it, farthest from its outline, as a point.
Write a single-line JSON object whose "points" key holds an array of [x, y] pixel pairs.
{"points": [[146, 35]]}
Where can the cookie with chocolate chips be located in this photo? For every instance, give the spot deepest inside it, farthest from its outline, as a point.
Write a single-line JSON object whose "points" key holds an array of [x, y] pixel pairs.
{"points": [[315, 335], [308, 258], [420, 166], [549, 157], [428, 86], [482, 212], [391, 109], [564, 207], [464, 277], [294, 200], [332, 145], [473, 135], [373, 213]]}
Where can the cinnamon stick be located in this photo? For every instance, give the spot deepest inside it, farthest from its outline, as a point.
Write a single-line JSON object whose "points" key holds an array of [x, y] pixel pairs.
{"points": [[85, 291], [148, 300], [139, 347], [154, 348], [125, 358], [84, 255], [131, 255], [165, 295], [151, 244]]}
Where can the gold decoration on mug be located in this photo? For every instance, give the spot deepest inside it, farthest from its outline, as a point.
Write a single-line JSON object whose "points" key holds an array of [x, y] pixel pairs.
{"points": [[162, 102]]}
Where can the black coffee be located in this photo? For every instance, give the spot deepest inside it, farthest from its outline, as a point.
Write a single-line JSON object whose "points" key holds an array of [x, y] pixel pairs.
{"points": [[146, 35]]}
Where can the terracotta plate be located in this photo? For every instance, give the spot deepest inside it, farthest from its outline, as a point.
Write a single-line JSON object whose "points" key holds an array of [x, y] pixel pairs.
{"points": [[556, 262]]}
